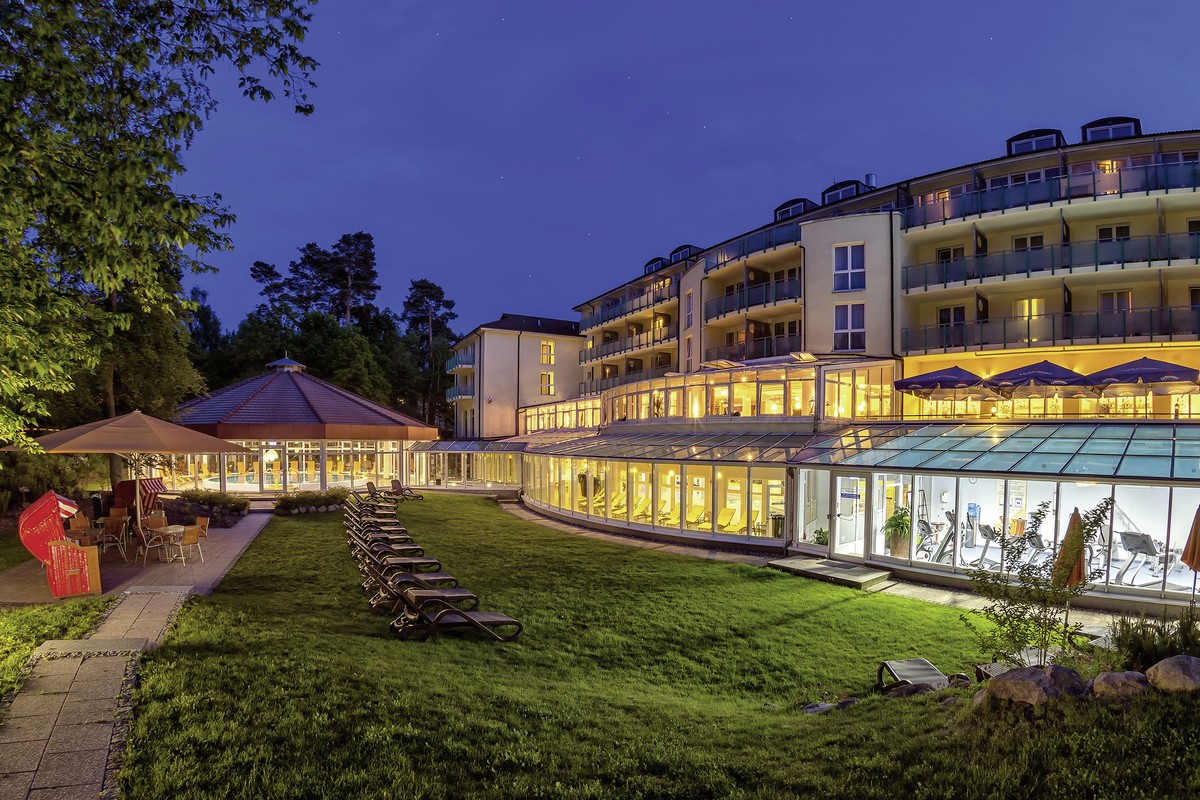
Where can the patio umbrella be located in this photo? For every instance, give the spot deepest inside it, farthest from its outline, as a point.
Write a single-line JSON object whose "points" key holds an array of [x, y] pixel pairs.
{"points": [[1041, 374], [136, 437], [1161, 377], [1191, 549], [1070, 567], [950, 379]]}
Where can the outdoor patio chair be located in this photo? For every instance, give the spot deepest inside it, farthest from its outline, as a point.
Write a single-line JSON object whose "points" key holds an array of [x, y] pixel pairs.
{"points": [[79, 523], [393, 596], [118, 511], [202, 524], [435, 616], [150, 539], [914, 671], [401, 490], [190, 538]]}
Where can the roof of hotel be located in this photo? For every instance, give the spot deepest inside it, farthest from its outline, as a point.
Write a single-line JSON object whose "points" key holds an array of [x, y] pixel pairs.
{"points": [[528, 324], [287, 402]]}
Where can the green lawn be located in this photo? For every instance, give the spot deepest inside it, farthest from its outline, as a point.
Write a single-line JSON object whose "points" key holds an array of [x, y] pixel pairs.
{"points": [[640, 674], [12, 552], [24, 628]]}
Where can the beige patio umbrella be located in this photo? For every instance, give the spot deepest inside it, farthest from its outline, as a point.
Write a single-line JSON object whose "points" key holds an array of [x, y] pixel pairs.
{"points": [[1191, 549], [136, 437]]}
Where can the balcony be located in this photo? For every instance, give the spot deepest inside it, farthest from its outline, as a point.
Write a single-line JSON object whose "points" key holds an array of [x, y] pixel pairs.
{"points": [[762, 294], [628, 343], [592, 387], [1144, 179], [630, 305], [769, 239], [1164, 249], [1050, 330], [460, 360], [463, 391], [765, 347]]}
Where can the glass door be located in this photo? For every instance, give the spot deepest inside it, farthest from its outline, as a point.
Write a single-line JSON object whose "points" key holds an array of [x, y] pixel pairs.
{"points": [[850, 521]]}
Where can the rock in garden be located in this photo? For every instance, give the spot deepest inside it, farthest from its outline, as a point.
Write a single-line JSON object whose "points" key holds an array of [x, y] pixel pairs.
{"points": [[1119, 684], [1035, 685], [849, 701], [322, 509], [312, 509], [295, 511], [1175, 674], [817, 708]]}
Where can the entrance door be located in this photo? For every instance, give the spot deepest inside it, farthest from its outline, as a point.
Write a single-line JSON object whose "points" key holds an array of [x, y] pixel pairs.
{"points": [[850, 521]]}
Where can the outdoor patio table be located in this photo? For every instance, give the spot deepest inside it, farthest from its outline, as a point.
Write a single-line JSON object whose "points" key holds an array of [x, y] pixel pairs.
{"points": [[174, 533]]}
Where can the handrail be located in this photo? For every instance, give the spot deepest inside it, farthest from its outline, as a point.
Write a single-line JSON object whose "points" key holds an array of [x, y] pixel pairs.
{"points": [[765, 347], [459, 392], [644, 339], [751, 296], [629, 305], [1140, 179], [1044, 330], [1051, 259], [599, 385], [769, 239], [457, 360]]}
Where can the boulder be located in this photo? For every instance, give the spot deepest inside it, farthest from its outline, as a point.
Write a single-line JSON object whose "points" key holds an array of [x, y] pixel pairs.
{"points": [[295, 511], [1175, 674], [1035, 685], [322, 509], [817, 708], [1119, 684], [312, 509]]}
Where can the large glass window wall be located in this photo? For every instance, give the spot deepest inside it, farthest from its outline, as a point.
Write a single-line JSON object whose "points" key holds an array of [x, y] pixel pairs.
{"points": [[569, 415]]}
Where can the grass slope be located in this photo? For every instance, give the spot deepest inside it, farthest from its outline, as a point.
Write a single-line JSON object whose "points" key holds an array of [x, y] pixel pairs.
{"points": [[12, 552], [640, 674]]}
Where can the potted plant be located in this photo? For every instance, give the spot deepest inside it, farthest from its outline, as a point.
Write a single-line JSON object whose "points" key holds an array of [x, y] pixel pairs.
{"points": [[896, 531], [820, 536]]}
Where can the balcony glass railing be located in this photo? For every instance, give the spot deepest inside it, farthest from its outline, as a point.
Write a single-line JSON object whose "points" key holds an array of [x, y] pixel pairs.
{"points": [[591, 387], [1051, 259], [1149, 178], [628, 343], [1047, 330], [457, 360], [788, 233], [752, 296], [630, 305], [460, 392], [756, 348]]}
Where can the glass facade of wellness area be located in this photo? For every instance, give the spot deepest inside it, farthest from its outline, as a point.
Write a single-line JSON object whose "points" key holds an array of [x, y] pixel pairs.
{"points": [[996, 476], [286, 466]]}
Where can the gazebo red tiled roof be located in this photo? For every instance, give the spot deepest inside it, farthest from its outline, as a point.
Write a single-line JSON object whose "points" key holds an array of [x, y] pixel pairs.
{"points": [[288, 403]]}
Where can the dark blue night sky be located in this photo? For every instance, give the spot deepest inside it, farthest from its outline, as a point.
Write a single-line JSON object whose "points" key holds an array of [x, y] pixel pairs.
{"points": [[529, 155]]}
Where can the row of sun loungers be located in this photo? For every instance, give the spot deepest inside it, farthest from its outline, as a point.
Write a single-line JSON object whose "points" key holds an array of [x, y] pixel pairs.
{"points": [[405, 583]]}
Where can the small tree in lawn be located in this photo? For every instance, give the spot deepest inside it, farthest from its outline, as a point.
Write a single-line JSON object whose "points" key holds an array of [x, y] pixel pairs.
{"points": [[1028, 601]]}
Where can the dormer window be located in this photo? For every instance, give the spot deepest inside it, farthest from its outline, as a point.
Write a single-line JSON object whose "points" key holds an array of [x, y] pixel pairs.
{"points": [[1033, 145], [1106, 132], [793, 209], [840, 194]]}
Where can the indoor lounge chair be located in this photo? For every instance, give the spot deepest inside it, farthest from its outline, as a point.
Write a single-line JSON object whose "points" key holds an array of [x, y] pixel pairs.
{"points": [[914, 671], [640, 510], [435, 616], [724, 516]]}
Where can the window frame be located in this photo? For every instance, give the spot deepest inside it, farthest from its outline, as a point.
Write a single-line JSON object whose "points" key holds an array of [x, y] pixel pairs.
{"points": [[850, 331], [1110, 132], [546, 383], [850, 272], [546, 350], [1115, 228], [1114, 294]]}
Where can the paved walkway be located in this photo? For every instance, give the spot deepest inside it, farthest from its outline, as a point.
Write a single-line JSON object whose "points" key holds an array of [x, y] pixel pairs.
{"points": [[63, 734], [1094, 622]]}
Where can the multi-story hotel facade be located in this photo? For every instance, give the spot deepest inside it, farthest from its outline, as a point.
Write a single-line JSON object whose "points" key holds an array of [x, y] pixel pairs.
{"points": [[969, 345]]}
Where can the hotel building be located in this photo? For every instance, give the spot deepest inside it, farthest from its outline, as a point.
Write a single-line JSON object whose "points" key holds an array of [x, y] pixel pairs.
{"points": [[969, 345]]}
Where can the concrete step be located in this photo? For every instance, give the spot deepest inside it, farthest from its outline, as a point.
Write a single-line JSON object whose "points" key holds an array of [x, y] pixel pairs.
{"points": [[843, 573]]}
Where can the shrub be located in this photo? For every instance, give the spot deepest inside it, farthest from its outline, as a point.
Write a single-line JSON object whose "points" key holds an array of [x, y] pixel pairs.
{"points": [[208, 497], [1141, 643], [309, 499]]}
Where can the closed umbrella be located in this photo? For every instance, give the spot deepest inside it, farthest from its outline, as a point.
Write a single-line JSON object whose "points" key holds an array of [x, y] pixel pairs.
{"points": [[1070, 567], [1191, 550], [135, 437]]}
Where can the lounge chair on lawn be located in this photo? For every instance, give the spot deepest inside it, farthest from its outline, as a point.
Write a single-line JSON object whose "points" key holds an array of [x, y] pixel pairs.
{"points": [[913, 671], [400, 490], [434, 616], [394, 595]]}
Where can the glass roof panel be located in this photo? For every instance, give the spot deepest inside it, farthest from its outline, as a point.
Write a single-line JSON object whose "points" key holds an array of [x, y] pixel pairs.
{"points": [[1113, 432], [1058, 446], [870, 458], [1108, 446], [908, 458], [1187, 468], [1154, 432], [1145, 467], [976, 443], [1087, 464], [951, 459], [1018, 444], [1043, 463], [1187, 431], [1075, 431], [1187, 449], [1152, 447], [996, 461], [940, 443]]}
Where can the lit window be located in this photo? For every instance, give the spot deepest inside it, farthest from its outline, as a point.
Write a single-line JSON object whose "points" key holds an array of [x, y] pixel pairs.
{"points": [[546, 385], [1028, 308], [548, 353], [849, 327], [688, 351], [849, 268]]}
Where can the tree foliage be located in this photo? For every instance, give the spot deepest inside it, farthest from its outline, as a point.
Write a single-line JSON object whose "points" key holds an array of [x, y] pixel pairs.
{"points": [[101, 98]]}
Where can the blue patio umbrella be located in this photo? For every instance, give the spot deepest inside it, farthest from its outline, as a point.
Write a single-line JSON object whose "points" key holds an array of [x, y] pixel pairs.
{"points": [[1035, 378], [948, 378], [1161, 377]]}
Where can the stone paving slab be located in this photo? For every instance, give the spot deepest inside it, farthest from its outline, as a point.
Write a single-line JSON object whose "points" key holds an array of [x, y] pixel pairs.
{"points": [[79, 767], [85, 736], [15, 785], [84, 647], [85, 792], [21, 756]]}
